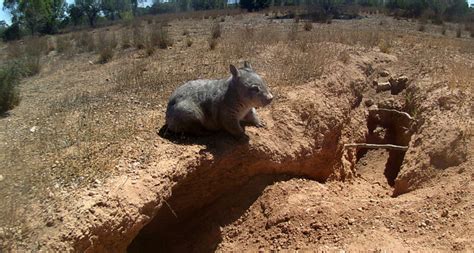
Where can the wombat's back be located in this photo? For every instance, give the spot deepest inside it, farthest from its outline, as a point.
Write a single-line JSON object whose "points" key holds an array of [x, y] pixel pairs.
{"points": [[194, 105]]}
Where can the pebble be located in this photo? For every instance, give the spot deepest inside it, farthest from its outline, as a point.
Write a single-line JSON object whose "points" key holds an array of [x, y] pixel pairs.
{"points": [[33, 129], [384, 73], [383, 86], [50, 222], [351, 221], [1, 178], [369, 102]]}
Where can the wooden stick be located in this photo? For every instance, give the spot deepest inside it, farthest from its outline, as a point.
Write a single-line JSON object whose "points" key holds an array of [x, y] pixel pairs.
{"points": [[394, 111], [374, 146]]}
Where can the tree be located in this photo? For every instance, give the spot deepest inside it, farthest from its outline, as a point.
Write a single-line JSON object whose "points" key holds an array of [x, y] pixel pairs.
{"points": [[36, 15], [135, 5], [254, 5], [91, 9], [56, 10], [113, 8], [456, 8], [75, 14]]}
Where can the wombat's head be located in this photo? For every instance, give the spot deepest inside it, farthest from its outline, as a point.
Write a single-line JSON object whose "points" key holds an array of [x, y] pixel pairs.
{"points": [[251, 88]]}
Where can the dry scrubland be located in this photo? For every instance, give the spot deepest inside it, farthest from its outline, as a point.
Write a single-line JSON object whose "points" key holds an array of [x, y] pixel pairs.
{"points": [[91, 114]]}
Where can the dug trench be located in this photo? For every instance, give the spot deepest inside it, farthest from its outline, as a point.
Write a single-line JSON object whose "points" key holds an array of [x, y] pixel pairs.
{"points": [[203, 203], [220, 192], [179, 200]]}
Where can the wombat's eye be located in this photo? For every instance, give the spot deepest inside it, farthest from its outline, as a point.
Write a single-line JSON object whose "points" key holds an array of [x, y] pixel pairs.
{"points": [[255, 88]]}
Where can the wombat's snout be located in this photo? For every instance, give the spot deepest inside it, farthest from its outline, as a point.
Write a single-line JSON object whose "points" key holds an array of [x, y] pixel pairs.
{"points": [[268, 98]]}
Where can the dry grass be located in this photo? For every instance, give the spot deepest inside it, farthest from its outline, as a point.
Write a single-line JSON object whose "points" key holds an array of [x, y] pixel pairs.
{"points": [[212, 43], [189, 42], [126, 41], [139, 39], [421, 27], [293, 32], [444, 28], [34, 49], [216, 31], [461, 76], [149, 48], [459, 31], [64, 44], [85, 42], [107, 44], [385, 46], [160, 37]]}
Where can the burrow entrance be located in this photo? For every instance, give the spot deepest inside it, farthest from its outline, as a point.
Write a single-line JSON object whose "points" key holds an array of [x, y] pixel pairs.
{"points": [[387, 126], [175, 229]]}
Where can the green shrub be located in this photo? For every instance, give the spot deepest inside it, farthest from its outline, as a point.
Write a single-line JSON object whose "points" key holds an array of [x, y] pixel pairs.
{"points": [[13, 32], [9, 94]]}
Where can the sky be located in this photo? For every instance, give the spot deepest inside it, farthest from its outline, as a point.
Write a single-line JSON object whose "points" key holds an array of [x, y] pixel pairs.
{"points": [[6, 17]]}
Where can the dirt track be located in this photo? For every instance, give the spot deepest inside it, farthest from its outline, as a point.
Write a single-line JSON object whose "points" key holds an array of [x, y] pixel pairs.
{"points": [[293, 185]]}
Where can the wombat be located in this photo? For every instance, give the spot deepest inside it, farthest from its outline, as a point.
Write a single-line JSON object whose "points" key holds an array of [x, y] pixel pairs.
{"points": [[200, 107]]}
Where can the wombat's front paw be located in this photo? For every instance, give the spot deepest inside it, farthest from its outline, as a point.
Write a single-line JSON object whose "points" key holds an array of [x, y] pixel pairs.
{"points": [[260, 124], [243, 138]]}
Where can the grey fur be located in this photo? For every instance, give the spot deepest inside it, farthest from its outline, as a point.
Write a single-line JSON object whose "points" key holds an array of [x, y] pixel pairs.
{"points": [[200, 106]]}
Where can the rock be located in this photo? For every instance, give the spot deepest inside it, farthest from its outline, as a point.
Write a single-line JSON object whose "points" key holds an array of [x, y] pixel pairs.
{"points": [[50, 222], [445, 213], [368, 102], [1, 178], [384, 86], [398, 84], [33, 129], [384, 73], [351, 221]]}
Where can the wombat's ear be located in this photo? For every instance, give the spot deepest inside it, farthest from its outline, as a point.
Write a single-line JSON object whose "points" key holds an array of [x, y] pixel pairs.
{"points": [[234, 70], [247, 65]]}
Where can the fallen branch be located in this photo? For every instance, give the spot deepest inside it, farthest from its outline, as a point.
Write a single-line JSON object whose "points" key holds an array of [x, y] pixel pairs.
{"points": [[404, 114], [374, 146]]}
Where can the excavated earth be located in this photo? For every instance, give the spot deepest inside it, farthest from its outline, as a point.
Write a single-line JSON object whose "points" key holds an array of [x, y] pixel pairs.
{"points": [[294, 184]]}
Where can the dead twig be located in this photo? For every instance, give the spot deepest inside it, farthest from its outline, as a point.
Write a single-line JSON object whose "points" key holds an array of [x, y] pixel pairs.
{"points": [[375, 146], [171, 209]]}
